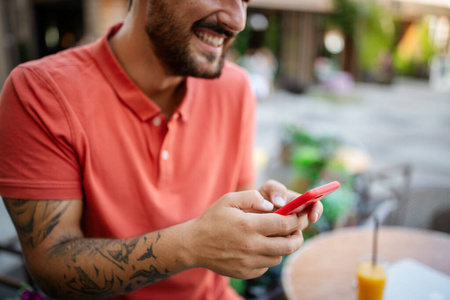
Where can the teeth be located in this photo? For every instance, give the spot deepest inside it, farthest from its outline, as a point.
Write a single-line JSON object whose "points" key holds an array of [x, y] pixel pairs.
{"points": [[213, 41]]}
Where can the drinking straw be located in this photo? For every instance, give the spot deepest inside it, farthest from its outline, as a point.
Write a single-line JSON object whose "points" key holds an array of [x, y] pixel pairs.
{"points": [[375, 241]]}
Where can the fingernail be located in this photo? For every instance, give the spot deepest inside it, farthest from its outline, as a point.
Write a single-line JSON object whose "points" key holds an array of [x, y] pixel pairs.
{"points": [[267, 205], [316, 217], [279, 201]]}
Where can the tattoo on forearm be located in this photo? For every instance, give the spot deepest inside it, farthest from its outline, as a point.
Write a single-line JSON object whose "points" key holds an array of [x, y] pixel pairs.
{"points": [[112, 261], [84, 285], [148, 254], [151, 275], [35, 220], [93, 267], [118, 253], [123, 254]]}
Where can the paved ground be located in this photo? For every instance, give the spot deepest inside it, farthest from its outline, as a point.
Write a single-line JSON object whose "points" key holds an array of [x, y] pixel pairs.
{"points": [[404, 123]]}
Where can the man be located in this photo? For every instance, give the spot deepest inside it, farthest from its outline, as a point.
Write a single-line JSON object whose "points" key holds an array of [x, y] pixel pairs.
{"points": [[121, 164]]}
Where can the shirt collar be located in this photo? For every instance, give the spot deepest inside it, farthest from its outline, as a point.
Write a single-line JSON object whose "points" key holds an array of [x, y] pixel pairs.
{"points": [[185, 106], [127, 91]]}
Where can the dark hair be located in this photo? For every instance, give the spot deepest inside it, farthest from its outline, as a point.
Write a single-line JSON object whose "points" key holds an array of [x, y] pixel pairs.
{"points": [[129, 4]]}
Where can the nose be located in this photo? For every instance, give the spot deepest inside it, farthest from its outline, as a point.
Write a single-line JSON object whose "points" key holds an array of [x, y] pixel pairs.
{"points": [[233, 14]]}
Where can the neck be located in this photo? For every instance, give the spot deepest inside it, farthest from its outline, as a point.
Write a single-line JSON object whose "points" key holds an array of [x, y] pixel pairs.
{"points": [[133, 49]]}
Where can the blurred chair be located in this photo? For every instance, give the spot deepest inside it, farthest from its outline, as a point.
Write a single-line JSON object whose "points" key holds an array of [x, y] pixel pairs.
{"points": [[388, 195], [381, 193], [441, 221], [428, 207], [11, 249]]}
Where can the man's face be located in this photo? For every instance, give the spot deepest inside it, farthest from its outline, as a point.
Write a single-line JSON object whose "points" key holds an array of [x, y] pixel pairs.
{"points": [[191, 38]]}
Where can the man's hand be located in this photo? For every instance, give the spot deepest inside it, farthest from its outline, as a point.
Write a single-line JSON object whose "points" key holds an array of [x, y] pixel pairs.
{"points": [[279, 195], [238, 237]]}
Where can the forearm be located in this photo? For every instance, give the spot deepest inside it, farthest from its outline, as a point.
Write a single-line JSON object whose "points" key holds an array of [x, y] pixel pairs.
{"points": [[93, 268], [67, 265]]}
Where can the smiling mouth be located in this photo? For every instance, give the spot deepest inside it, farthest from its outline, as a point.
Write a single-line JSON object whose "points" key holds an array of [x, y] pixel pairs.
{"points": [[214, 41]]}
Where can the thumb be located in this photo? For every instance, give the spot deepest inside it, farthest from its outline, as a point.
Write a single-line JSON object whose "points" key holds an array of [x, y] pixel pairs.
{"points": [[250, 201]]}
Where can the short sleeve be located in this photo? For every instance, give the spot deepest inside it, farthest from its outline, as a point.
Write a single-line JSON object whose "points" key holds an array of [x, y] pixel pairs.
{"points": [[37, 157]]}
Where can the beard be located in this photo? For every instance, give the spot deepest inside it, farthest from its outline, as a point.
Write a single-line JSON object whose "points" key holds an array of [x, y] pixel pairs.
{"points": [[170, 41]]}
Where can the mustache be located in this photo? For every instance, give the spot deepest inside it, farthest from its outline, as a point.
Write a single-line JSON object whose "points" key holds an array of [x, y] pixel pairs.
{"points": [[215, 27]]}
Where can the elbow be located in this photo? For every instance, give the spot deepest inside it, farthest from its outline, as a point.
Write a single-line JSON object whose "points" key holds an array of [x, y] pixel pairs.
{"points": [[42, 275], [44, 284]]}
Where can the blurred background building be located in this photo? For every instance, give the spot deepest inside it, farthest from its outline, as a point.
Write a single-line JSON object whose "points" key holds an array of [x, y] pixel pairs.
{"points": [[369, 39], [31, 29], [404, 33]]}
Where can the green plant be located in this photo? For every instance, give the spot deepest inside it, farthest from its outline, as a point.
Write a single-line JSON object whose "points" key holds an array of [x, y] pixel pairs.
{"points": [[242, 40], [313, 162], [344, 16], [415, 50], [239, 285], [273, 34], [375, 34], [308, 156]]}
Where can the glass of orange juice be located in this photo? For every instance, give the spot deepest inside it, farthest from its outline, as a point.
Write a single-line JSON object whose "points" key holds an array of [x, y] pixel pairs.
{"points": [[371, 279]]}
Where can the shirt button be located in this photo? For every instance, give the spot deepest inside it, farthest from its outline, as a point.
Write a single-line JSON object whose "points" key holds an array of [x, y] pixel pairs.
{"points": [[156, 121], [165, 155]]}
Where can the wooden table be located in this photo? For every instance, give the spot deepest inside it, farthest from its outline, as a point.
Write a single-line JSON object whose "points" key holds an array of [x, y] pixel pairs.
{"points": [[324, 267]]}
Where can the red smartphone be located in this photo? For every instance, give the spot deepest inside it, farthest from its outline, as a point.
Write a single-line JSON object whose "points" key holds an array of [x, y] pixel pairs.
{"points": [[308, 198]]}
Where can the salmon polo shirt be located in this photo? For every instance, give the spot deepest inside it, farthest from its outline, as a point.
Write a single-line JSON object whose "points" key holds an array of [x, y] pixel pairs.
{"points": [[75, 126]]}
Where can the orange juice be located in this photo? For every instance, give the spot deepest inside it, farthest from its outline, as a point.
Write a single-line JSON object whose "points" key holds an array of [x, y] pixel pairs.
{"points": [[371, 281]]}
